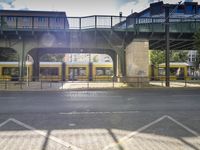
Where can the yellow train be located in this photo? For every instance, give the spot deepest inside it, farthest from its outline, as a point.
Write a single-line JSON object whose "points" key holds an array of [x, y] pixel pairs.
{"points": [[57, 71], [178, 71]]}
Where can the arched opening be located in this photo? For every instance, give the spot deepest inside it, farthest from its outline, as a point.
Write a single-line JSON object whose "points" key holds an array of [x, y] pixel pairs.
{"points": [[82, 64]]}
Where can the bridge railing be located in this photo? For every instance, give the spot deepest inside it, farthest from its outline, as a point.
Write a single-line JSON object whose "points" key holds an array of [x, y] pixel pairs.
{"points": [[58, 23], [147, 24]]}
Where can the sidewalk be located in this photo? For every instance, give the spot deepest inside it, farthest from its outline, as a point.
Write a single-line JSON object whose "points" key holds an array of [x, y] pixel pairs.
{"points": [[48, 86], [58, 86]]}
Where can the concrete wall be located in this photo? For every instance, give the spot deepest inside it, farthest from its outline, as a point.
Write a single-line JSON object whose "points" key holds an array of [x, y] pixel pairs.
{"points": [[137, 60]]}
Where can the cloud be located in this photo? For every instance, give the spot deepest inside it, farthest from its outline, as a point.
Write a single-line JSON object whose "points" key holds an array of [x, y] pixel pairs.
{"points": [[82, 7], [139, 5], [72, 7]]}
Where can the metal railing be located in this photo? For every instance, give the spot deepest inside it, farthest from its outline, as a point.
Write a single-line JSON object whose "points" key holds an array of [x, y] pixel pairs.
{"points": [[85, 83], [107, 22]]}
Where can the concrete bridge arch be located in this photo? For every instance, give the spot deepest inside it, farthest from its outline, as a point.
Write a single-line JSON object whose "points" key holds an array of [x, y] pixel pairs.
{"points": [[36, 53]]}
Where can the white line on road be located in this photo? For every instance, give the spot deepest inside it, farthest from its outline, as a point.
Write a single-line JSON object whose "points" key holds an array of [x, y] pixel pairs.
{"points": [[136, 132], [5, 122], [90, 112], [149, 125], [183, 126], [2, 98], [55, 139]]}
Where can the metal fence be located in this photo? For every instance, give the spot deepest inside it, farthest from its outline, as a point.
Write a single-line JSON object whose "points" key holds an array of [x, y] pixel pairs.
{"points": [[112, 82]]}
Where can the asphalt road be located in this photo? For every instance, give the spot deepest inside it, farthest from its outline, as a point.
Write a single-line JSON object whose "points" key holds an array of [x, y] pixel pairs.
{"points": [[104, 119]]}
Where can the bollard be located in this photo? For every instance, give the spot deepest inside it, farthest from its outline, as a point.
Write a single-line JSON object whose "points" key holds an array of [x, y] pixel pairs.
{"points": [[62, 84], [185, 82], [50, 84], [27, 82], [5, 84], [20, 84], [113, 82], [88, 86], [40, 84]]}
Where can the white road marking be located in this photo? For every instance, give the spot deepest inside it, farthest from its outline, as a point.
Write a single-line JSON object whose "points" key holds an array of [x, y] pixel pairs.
{"points": [[7, 97], [136, 132], [183, 126], [90, 112], [130, 99], [55, 139], [149, 125], [5, 122], [72, 124], [185, 95]]}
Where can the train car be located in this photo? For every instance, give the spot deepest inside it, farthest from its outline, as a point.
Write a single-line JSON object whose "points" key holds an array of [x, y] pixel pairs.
{"points": [[102, 71], [57, 71], [10, 71], [178, 71], [77, 71], [51, 71]]}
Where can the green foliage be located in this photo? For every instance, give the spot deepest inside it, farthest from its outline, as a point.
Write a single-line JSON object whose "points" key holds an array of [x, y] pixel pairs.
{"points": [[157, 57], [179, 56], [6, 55], [52, 57]]}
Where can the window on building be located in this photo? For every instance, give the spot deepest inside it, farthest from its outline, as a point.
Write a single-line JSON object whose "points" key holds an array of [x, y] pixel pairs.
{"points": [[10, 18], [190, 9], [41, 19], [180, 9]]}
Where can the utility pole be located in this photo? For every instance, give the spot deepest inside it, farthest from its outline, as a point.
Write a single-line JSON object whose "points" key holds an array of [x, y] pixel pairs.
{"points": [[167, 59], [167, 42]]}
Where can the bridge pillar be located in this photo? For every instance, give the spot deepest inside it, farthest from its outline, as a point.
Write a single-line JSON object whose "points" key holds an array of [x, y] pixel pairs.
{"points": [[120, 62], [137, 61], [36, 65]]}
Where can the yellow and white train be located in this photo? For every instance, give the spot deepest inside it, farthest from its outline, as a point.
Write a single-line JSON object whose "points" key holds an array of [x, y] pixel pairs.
{"points": [[178, 71], [57, 71]]}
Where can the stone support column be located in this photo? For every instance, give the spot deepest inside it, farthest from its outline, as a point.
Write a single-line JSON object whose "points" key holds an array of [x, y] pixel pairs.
{"points": [[137, 61]]}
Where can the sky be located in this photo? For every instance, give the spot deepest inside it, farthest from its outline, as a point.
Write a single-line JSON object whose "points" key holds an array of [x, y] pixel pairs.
{"points": [[83, 7]]}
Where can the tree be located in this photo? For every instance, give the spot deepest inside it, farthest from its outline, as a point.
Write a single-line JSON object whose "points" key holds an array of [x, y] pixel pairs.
{"points": [[8, 55], [157, 57], [52, 57], [197, 46], [179, 56]]}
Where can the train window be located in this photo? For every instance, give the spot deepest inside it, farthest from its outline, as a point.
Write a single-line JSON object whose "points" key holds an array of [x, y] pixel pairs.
{"points": [[76, 71], [99, 72], [173, 71], [82, 71], [12, 71], [161, 71], [49, 71], [108, 71], [102, 71], [58, 20]]}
